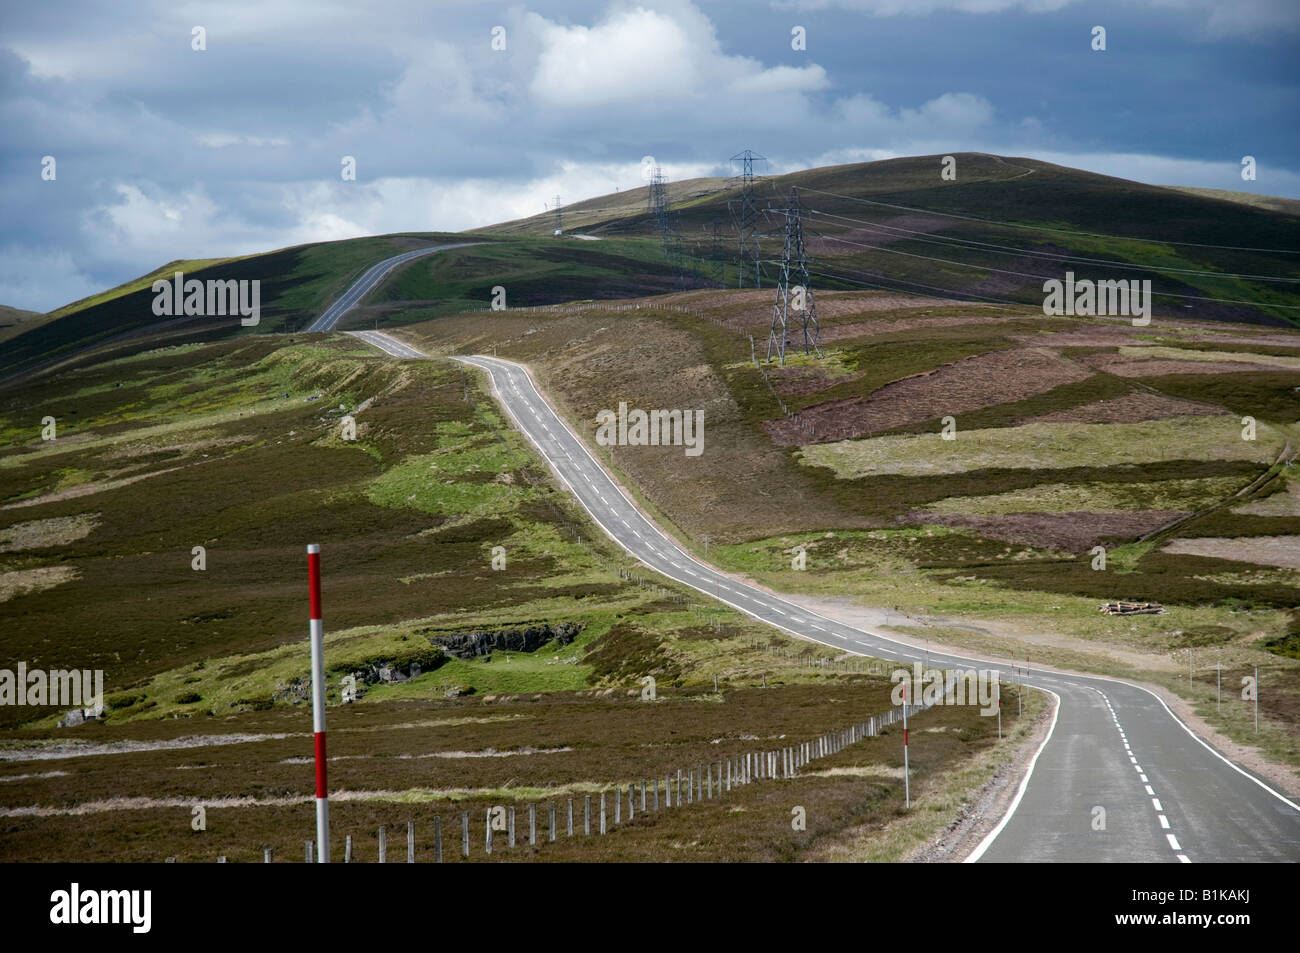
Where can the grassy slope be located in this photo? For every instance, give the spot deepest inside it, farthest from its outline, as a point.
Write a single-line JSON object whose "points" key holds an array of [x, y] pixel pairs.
{"points": [[297, 283], [533, 272], [15, 321], [1275, 202], [1031, 194], [141, 283]]}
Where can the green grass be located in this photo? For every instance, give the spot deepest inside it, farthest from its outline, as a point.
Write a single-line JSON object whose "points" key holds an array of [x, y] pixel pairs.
{"points": [[296, 285], [1191, 494], [435, 483], [1195, 354], [1044, 447], [532, 272], [167, 271]]}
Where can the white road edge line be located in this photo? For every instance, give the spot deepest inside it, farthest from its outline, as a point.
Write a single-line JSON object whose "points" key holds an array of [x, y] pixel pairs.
{"points": [[992, 835]]}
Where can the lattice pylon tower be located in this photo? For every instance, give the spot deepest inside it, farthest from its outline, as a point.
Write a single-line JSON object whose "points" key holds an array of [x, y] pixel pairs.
{"points": [[794, 265], [674, 253], [745, 214], [559, 216], [659, 198]]}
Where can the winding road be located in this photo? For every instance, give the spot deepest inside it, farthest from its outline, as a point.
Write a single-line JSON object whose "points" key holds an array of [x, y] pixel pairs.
{"points": [[1119, 778], [372, 276]]}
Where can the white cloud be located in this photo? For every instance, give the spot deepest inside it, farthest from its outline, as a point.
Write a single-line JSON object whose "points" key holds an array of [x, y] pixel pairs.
{"points": [[951, 111], [638, 54], [955, 115]]}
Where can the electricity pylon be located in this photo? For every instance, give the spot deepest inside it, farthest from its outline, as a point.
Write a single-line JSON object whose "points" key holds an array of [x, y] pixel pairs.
{"points": [[794, 302]]}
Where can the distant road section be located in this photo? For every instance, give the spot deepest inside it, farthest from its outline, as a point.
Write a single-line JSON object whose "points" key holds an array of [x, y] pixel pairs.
{"points": [[363, 285], [389, 345]]}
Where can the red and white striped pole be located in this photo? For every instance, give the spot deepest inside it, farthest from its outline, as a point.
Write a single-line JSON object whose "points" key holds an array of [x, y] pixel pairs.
{"points": [[318, 704], [907, 771]]}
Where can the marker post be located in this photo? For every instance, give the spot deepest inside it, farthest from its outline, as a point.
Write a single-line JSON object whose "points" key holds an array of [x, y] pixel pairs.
{"points": [[999, 686], [907, 771], [317, 631]]}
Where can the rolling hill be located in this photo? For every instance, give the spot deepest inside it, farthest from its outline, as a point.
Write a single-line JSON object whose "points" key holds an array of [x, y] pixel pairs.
{"points": [[994, 234]]}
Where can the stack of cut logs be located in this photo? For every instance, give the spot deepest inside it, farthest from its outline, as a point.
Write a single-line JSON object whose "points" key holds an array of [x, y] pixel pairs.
{"points": [[1132, 608]]}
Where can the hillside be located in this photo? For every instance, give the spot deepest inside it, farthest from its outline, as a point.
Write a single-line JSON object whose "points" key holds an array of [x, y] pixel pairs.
{"points": [[15, 321], [993, 234], [1274, 202]]}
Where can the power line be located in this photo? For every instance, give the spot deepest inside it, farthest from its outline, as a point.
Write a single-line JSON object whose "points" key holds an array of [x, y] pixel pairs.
{"points": [[956, 295], [1026, 253], [1022, 274], [1048, 228], [715, 252]]}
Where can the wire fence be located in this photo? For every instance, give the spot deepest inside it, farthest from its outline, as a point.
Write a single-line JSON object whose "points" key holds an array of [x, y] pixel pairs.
{"points": [[500, 826]]}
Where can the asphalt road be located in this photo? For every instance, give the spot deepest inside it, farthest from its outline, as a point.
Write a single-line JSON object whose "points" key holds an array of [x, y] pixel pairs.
{"points": [[1167, 796], [389, 345], [361, 287]]}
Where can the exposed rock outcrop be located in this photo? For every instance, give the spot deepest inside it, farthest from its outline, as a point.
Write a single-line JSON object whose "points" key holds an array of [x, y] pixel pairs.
{"points": [[527, 638]]}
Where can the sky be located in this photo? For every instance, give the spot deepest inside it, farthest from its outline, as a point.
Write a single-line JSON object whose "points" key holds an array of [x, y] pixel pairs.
{"points": [[186, 130]]}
